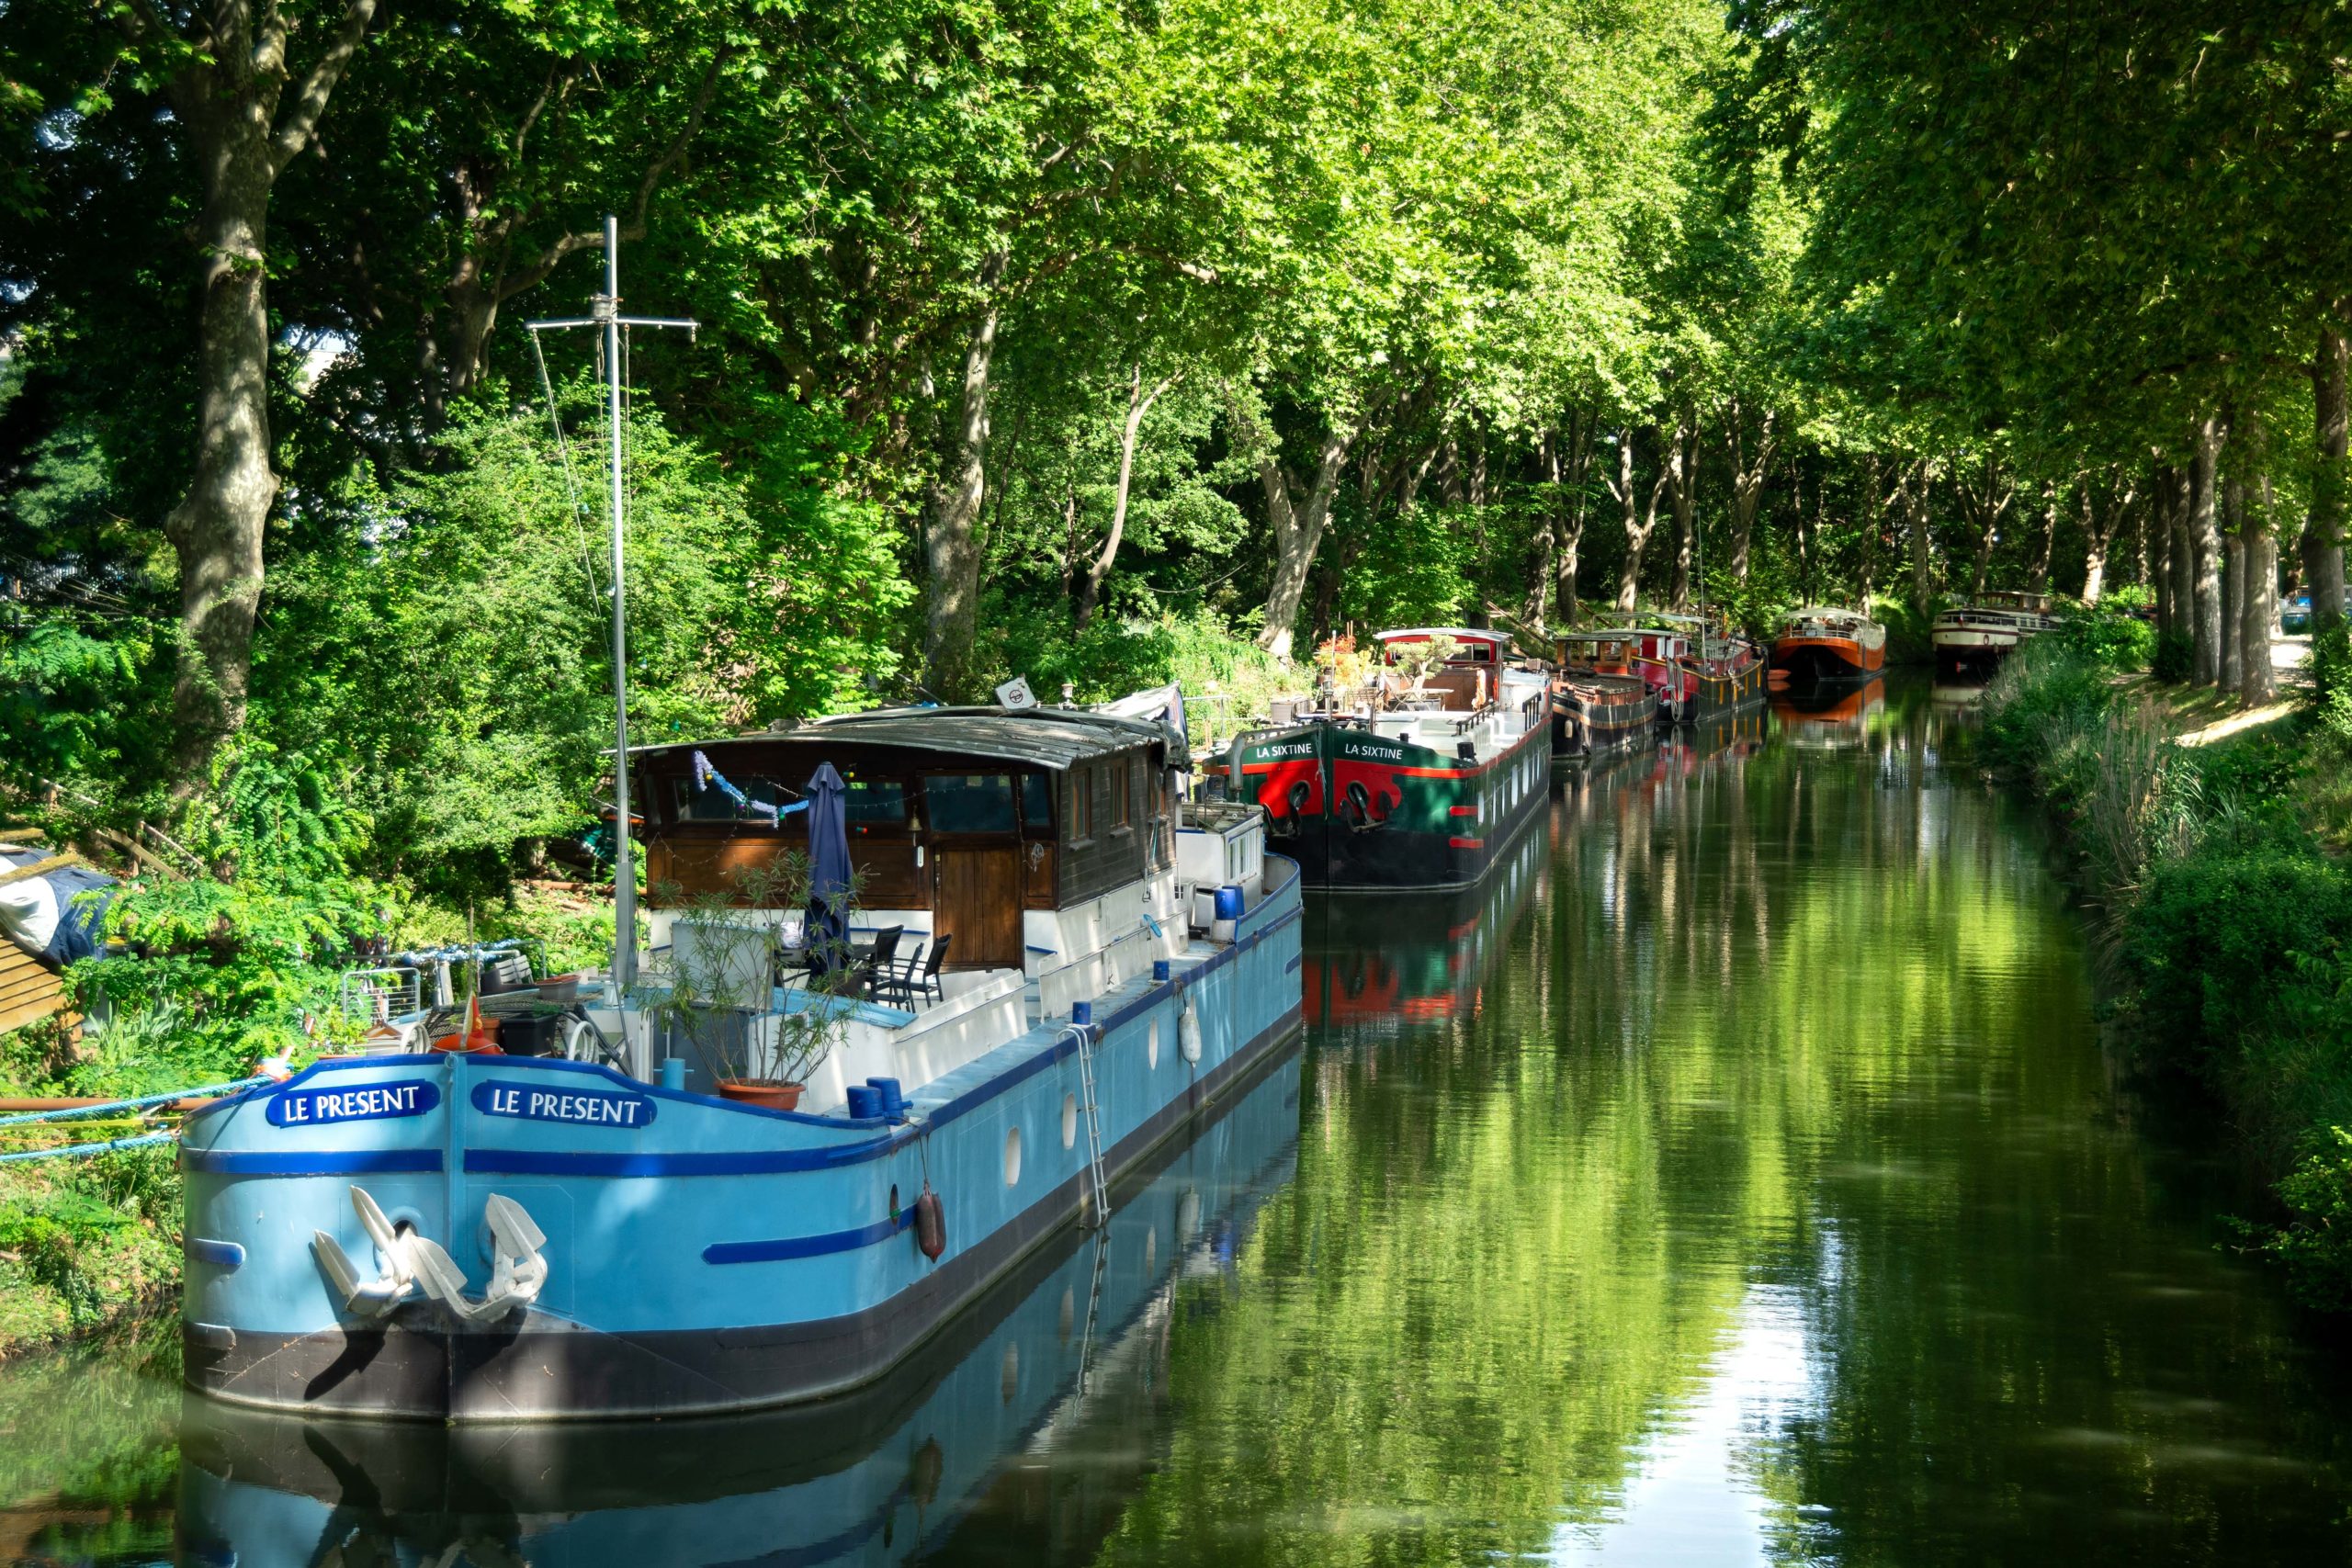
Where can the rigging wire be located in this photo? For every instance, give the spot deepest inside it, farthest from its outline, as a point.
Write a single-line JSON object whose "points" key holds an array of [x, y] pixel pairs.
{"points": [[570, 484]]}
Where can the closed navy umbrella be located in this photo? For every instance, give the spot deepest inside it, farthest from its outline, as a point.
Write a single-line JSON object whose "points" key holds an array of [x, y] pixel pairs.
{"points": [[829, 870]]}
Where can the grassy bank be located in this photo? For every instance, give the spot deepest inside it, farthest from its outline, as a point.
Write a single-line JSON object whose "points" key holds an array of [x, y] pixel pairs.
{"points": [[2225, 907]]}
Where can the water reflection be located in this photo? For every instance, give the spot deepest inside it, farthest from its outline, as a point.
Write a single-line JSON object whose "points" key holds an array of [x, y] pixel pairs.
{"points": [[1067, 1358]]}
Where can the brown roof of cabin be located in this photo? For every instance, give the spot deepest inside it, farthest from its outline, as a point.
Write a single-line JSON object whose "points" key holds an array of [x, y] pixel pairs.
{"points": [[1057, 739]]}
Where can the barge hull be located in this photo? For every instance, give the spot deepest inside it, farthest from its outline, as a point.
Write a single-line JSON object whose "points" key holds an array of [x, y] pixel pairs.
{"points": [[548, 1369]]}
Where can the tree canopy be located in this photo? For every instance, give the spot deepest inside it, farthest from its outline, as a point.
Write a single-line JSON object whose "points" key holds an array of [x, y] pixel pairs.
{"points": [[1100, 343]]}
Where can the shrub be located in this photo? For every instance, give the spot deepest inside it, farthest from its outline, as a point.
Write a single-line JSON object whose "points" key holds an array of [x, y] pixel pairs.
{"points": [[2173, 657], [2316, 1248], [2230, 947], [2106, 634]]}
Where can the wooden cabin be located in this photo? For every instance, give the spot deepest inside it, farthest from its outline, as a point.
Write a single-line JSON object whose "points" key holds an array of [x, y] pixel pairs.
{"points": [[972, 821]]}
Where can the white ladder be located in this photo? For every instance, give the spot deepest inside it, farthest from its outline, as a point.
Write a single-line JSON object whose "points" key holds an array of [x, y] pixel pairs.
{"points": [[1099, 1183]]}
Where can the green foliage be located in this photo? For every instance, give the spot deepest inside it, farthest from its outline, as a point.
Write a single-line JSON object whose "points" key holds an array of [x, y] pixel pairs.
{"points": [[2170, 657], [2315, 1246], [2106, 634]]}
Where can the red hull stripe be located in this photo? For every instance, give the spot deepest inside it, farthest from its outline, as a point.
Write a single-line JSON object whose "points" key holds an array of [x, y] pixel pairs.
{"points": [[1466, 844], [1465, 810]]}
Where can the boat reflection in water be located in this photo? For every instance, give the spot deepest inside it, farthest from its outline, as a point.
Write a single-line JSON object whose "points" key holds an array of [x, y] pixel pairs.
{"points": [[1411, 960], [1067, 1352], [1830, 716], [1956, 693]]}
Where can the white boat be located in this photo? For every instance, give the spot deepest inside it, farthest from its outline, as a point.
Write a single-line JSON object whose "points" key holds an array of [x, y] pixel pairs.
{"points": [[1991, 628]]}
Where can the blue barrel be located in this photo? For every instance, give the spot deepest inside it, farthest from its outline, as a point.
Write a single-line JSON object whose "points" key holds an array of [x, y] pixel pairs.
{"points": [[865, 1100], [1160, 969], [1228, 903], [894, 1100], [1081, 1013]]}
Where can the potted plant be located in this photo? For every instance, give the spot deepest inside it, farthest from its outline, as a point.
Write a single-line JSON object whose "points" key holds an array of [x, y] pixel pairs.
{"points": [[722, 992]]}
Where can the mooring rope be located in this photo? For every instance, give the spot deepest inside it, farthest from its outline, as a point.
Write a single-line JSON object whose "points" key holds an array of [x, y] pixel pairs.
{"points": [[75, 1113], [67, 1151]]}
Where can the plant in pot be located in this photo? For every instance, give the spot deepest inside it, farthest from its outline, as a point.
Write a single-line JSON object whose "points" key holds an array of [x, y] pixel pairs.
{"points": [[719, 1000]]}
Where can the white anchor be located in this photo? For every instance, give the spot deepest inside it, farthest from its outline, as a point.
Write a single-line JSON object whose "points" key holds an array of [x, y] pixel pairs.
{"points": [[369, 1297], [518, 1269]]}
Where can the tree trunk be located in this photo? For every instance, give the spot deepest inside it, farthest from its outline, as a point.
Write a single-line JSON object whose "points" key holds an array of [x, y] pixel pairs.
{"points": [[1747, 485], [1873, 508], [2182, 556], [2205, 546], [1804, 539], [2141, 577], [1568, 518], [1541, 564], [2323, 545], [2038, 581], [1915, 507], [951, 544], [1682, 489], [225, 90], [2098, 533], [1090, 591], [2255, 686], [1639, 524], [217, 528], [1477, 615], [1297, 534], [2232, 582]]}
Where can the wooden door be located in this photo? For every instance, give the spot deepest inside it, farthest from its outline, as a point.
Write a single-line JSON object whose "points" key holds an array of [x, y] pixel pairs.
{"points": [[976, 898]]}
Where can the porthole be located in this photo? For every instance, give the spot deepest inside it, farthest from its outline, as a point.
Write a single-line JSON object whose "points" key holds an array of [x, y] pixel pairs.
{"points": [[1069, 1121], [1012, 1156], [1151, 1048]]}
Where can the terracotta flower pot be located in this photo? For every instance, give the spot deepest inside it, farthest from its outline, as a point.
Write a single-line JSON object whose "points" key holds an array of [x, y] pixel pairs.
{"points": [[767, 1096]]}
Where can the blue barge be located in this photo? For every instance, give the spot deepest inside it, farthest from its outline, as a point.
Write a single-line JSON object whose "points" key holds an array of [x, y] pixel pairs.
{"points": [[1069, 1352], [526, 1238]]}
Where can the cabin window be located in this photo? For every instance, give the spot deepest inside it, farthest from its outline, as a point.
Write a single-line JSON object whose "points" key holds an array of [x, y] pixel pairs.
{"points": [[871, 805], [969, 803], [1037, 802], [1081, 804], [708, 802], [1123, 799], [1482, 653]]}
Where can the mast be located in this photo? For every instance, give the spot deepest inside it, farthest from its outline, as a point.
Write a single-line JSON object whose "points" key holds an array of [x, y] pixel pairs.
{"points": [[604, 313], [608, 309]]}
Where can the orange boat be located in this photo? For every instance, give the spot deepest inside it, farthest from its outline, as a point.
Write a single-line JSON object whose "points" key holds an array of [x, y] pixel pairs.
{"points": [[1826, 643]]}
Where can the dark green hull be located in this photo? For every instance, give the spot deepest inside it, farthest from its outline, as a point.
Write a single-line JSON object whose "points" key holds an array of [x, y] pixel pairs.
{"points": [[1357, 810]]}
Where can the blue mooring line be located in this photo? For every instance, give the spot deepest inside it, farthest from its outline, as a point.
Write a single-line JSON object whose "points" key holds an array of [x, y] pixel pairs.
{"points": [[146, 1140]]}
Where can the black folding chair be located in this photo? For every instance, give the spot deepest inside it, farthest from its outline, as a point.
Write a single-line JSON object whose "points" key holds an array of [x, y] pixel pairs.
{"points": [[914, 979], [874, 966]]}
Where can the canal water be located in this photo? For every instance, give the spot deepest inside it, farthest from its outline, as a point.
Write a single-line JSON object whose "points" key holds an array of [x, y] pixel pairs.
{"points": [[1738, 1177]]}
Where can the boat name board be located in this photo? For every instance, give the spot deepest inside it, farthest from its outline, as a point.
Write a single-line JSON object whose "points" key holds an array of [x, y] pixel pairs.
{"points": [[314, 1107], [1356, 750], [532, 1102], [1295, 749]]}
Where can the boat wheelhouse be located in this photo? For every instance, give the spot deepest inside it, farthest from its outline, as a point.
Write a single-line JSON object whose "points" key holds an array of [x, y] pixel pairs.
{"points": [[1990, 629], [1820, 642], [1418, 783], [643, 1249], [1600, 698]]}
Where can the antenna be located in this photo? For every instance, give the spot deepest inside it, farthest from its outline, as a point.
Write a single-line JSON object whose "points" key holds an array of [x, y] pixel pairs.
{"points": [[606, 312]]}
